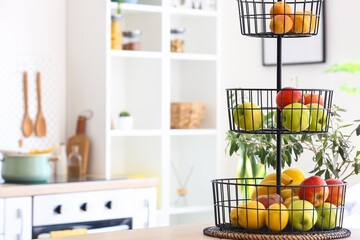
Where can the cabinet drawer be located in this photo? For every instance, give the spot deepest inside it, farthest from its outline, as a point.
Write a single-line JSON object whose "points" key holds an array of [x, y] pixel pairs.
{"points": [[82, 207]]}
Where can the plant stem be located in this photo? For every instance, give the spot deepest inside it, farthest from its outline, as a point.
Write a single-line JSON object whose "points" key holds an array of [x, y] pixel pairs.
{"points": [[353, 171]]}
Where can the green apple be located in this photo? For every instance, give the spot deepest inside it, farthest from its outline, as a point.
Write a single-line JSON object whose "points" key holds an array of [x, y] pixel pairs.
{"points": [[248, 116], [303, 215], [325, 221], [295, 117], [318, 117]]}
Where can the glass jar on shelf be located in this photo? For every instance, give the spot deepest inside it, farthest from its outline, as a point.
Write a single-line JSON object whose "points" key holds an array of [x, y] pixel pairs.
{"points": [[131, 40], [177, 40], [74, 163], [116, 36]]}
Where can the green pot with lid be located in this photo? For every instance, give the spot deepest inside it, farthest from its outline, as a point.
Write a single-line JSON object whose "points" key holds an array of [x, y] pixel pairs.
{"points": [[18, 168]]}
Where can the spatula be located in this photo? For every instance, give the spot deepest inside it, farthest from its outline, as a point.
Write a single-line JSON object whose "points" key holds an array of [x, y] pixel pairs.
{"points": [[27, 125], [40, 125]]}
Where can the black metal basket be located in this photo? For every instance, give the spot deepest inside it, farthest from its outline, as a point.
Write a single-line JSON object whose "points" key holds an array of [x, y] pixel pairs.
{"points": [[291, 18], [234, 208], [303, 111]]}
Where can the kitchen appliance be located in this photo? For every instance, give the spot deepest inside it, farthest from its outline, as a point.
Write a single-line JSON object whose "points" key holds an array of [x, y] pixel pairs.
{"points": [[18, 168], [96, 211]]}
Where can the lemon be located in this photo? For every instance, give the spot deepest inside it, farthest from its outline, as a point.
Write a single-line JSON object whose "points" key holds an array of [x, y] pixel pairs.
{"points": [[234, 217], [277, 217], [252, 215], [295, 174]]}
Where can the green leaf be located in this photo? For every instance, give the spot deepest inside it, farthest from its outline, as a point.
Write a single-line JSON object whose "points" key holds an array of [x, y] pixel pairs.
{"points": [[315, 170], [345, 67], [233, 148], [269, 116], [358, 131], [327, 175], [319, 173]]}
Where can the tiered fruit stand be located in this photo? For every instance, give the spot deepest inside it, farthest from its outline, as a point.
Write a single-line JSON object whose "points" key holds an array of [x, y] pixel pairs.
{"points": [[247, 108]]}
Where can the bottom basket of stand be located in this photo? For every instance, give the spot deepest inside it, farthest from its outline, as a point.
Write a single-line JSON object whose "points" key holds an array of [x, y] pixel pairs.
{"points": [[246, 209]]}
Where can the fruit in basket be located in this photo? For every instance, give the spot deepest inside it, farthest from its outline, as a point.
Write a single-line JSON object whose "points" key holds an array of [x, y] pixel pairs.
{"points": [[234, 217], [267, 201], [287, 193], [285, 179], [295, 174], [281, 24], [248, 116], [302, 215], [263, 190], [277, 217], [287, 97], [335, 193], [296, 117], [252, 215], [318, 117], [327, 216], [313, 98], [280, 8], [288, 201], [303, 21], [295, 186], [312, 193]]}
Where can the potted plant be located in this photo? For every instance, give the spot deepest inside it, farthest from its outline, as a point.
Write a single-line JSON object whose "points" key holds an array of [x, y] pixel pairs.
{"points": [[125, 121]]}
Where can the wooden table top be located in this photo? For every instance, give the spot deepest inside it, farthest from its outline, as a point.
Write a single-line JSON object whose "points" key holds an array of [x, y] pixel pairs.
{"points": [[179, 232]]}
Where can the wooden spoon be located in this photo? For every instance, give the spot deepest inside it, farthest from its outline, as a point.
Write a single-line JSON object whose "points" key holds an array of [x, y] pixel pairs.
{"points": [[40, 125], [27, 125]]}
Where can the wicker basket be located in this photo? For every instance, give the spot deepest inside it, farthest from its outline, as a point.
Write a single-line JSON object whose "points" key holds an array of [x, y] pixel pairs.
{"points": [[187, 115]]}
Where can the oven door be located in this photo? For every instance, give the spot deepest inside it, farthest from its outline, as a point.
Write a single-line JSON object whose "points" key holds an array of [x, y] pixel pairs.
{"points": [[92, 227]]}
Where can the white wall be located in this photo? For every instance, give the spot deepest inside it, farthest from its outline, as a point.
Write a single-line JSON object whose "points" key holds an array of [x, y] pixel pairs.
{"points": [[242, 64], [37, 28]]}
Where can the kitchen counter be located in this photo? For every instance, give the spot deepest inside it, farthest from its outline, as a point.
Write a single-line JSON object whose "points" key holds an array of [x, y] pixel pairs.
{"points": [[180, 232], [20, 190]]}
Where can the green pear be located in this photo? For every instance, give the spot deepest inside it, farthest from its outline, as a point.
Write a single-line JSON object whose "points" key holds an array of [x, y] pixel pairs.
{"points": [[327, 216], [318, 117], [295, 117], [303, 215], [248, 116]]}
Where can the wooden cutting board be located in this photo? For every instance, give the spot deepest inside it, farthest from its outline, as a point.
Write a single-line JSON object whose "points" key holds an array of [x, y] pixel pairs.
{"points": [[81, 141]]}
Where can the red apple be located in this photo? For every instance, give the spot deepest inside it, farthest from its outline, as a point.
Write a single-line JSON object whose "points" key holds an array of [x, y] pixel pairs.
{"points": [[284, 98], [335, 193], [267, 201], [313, 194], [313, 98]]}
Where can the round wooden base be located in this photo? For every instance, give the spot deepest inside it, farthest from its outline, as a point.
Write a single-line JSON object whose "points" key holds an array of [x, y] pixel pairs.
{"points": [[325, 235]]}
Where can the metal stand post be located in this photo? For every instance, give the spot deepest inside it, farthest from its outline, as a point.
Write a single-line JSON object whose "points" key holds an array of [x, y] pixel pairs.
{"points": [[279, 120]]}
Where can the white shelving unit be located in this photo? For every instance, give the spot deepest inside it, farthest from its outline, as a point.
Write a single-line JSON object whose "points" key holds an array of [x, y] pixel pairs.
{"points": [[145, 83]]}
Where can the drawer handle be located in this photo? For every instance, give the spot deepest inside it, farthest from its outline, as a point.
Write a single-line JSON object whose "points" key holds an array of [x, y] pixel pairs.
{"points": [[108, 204], [58, 209], [83, 207]]}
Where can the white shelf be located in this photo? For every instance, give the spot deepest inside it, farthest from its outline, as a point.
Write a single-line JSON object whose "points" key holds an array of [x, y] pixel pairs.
{"points": [[193, 12], [133, 8], [194, 56], [193, 132], [135, 54], [190, 209], [135, 132]]}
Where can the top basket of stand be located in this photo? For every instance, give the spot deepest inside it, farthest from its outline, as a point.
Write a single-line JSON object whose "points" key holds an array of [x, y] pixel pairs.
{"points": [[291, 18]]}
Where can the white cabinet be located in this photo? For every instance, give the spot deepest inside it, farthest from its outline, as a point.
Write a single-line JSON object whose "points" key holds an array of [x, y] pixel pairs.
{"points": [[144, 208], [17, 218], [1, 217]]}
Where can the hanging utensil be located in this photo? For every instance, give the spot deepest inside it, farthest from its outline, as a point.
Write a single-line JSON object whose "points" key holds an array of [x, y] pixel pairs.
{"points": [[40, 125], [27, 125]]}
